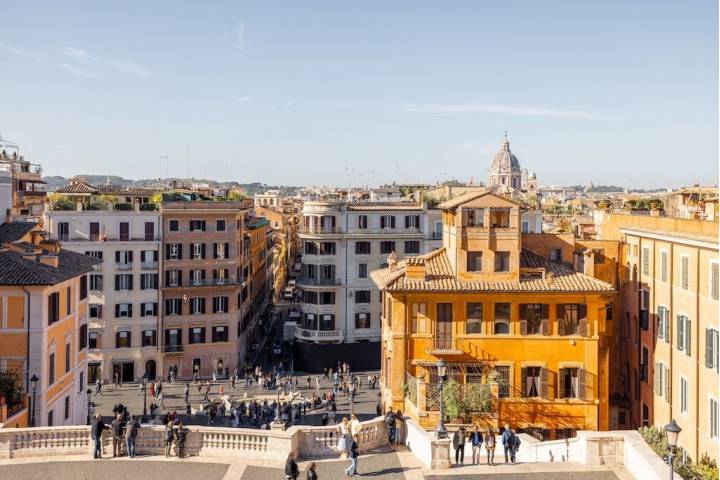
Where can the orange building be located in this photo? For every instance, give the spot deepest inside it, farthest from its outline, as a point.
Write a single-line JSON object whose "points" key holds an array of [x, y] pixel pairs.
{"points": [[522, 317], [43, 321]]}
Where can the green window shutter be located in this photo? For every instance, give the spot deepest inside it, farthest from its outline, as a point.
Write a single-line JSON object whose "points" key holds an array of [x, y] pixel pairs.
{"points": [[688, 349], [680, 333], [667, 326], [708, 348], [656, 379]]}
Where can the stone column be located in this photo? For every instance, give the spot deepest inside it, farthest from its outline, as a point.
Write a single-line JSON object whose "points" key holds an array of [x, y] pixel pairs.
{"points": [[440, 449]]}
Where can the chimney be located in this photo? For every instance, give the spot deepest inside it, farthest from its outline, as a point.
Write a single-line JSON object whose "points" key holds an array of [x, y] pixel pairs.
{"points": [[392, 261], [50, 259], [415, 268], [589, 263]]}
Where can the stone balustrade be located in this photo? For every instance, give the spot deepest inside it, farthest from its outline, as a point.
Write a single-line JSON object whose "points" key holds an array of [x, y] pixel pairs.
{"points": [[249, 444]]}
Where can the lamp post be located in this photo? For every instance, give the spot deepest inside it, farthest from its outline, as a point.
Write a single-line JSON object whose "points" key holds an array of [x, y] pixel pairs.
{"points": [[88, 396], [144, 385], [441, 431], [672, 431], [33, 385]]}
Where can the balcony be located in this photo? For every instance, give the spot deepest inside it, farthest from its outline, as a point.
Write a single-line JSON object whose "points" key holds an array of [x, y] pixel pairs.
{"points": [[205, 283], [445, 345], [320, 230], [318, 281], [123, 266], [436, 236], [318, 335], [149, 265], [173, 349]]}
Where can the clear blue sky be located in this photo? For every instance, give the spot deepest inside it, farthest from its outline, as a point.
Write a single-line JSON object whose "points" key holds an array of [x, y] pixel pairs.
{"points": [[294, 92]]}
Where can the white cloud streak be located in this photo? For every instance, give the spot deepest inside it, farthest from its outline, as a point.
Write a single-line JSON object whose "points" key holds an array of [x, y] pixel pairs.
{"points": [[242, 100], [76, 53], [21, 53], [129, 67], [515, 110], [78, 72]]}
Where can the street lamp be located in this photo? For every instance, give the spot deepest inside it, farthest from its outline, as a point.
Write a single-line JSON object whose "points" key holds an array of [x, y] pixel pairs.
{"points": [[441, 431], [33, 385], [88, 395], [144, 385], [672, 430]]}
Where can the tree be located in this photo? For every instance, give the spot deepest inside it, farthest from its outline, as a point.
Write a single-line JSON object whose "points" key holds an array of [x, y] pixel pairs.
{"points": [[461, 401], [10, 388]]}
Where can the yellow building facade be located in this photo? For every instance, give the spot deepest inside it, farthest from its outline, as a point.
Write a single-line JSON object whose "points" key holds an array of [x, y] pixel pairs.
{"points": [[535, 333]]}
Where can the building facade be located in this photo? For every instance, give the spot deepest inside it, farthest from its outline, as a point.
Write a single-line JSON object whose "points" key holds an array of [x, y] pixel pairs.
{"points": [[531, 332]]}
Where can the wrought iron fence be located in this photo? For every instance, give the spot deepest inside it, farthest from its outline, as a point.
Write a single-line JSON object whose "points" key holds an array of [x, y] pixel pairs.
{"points": [[432, 396], [411, 384]]}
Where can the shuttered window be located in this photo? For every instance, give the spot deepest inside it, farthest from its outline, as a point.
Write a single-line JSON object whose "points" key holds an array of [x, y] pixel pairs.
{"points": [[684, 272], [714, 280]]}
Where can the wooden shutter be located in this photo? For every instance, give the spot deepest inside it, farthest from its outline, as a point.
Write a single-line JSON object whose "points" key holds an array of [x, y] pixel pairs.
{"points": [[581, 383], [523, 382], [656, 379], [523, 327], [688, 336], [142, 256], [202, 251], [130, 256], [407, 221], [156, 278], [392, 221], [117, 282], [130, 305], [667, 325], [382, 221], [100, 309], [215, 250], [142, 308], [561, 383], [155, 255], [560, 318], [179, 255], [227, 250], [167, 252], [545, 326], [583, 327], [680, 333], [130, 281], [544, 388], [117, 256], [708, 348], [666, 372], [142, 282], [117, 310]]}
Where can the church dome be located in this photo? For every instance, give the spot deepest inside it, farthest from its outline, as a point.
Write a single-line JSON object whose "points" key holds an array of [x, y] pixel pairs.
{"points": [[505, 160]]}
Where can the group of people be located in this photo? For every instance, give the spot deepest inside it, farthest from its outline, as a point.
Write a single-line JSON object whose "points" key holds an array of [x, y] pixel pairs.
{"points": [[123, 434], [510, 443]]}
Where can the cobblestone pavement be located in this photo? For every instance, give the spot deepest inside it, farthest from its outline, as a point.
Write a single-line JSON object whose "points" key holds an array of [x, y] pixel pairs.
{"points": [[129, 394], [115, 470]]}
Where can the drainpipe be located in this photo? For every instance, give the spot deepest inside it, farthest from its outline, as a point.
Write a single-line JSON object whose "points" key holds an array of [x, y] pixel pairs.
{"points": [[27, 350]]}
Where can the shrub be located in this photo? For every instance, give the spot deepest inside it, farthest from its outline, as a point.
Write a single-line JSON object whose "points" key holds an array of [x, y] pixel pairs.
{"points": [[10, 388], [64, 205], [123, 206], [148, 207], [705, 469]]}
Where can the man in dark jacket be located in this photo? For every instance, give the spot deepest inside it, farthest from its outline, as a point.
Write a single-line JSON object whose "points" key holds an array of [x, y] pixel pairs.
{"points": [[476, 440], [118, 427], [291, 468], [351, 470], [510, 442], [131, 435], [390, 423], [180, 437], [96, 429]]}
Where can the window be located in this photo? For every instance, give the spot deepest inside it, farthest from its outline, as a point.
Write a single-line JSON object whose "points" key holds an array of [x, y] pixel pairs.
{"points": [[500, 217], [569, 382], [362, 270], [197, 306], [96, 282], [532, 381], [327, 248], [53, 308], [67, 407], [683, 395], [474, 261], [475, 217], [645, 261], [309, 321], [95, 254], [124, 231], [444, 312], [714, 419], [502, 261], [362, 248], [51, 416], [683, 334], [664, 265], [67, 357], [662, 381], [473, 317], [412, 221], [502, 318], [503, 379], [221, 276], [311, 248], [149, 231], [173, 306], [221, 250], [327, 321], [51, 369], [197, 335], [83, 337], [534, 319], [174, 251], [663, 328], [149, 281], [68, 301], [327, 298], [92, 340], [94, 231], [197, 225], [173, 337], [644, 360], [220, 304], [419, 317], [173, 278], [362, 221], [572, 319], [122, 339], [387, 221], [327, 272], [598, 256], [387, 247], [174, 226], [198, 251], [714, 280], [197, 277], [362, 296], [123, 281], [525, 226], [684, 272], [412, 246], [644, 309], [555, 254], [220, 334], [310, 297], [219, 225], [712, 349], [149, 338], [362, 320], [148, 309], [124, 259], [83, 287], [63, 231]]}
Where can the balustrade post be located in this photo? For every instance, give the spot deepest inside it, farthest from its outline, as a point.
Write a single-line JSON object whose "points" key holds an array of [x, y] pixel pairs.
{"points": [[421, 395]]}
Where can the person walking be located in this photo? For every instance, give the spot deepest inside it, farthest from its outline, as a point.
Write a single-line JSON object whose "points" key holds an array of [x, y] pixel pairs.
{"points": [[490, 447], [187, 392], [116, 379], [168, 438], [509, 440], [118, 427], [458, 443], [98, 387], [96, 429], [311, 473], [291, 468], [130, 436], [390, 423], [351, 471], [476, 440]]}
